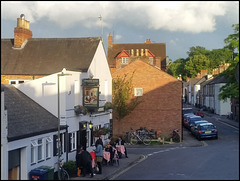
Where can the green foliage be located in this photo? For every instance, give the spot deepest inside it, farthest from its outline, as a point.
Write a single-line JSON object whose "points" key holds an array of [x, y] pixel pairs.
{"points": [[231, 89], [196, 64], [122, 91], [70, 165]]}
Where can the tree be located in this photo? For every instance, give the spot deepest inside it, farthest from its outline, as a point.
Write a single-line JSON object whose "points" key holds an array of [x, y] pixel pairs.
{"points": [[231, 88], [122, 101], [197, 63]]}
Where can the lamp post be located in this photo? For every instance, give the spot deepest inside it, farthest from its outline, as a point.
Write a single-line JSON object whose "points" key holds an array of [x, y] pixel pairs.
{"points": [[58, 75]]}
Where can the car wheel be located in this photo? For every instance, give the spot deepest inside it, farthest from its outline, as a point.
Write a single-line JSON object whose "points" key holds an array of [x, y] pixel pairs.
{"points": [[199, 138]]}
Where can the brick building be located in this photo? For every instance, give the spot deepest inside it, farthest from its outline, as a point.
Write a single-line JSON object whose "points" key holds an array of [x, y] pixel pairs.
{"points": [[161, 96]]}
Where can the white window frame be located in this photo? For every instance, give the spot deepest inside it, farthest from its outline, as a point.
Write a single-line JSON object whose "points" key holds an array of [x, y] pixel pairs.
{"points": [[124, 60], [34, 144], [48, 147], [138, 91], [40, 149], [73, 141]]}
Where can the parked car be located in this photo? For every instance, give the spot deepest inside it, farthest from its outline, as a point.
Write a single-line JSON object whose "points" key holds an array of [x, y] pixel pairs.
{"points": [[206, 130], [186, 110], [185, 123], [195, 124], [190, 121]]}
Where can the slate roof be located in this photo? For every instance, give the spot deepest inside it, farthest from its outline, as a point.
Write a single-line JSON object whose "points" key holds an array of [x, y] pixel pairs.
{"points": [[45, 56], [158, 49], [26, 118], [218, 79]]}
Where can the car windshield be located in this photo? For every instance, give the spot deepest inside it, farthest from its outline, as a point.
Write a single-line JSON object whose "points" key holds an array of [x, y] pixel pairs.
{"points": [[207, 127], [196, 119]]}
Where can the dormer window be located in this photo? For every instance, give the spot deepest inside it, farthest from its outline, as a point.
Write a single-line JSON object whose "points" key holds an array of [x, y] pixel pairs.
{"points": [[124, 60], [151, 60]]}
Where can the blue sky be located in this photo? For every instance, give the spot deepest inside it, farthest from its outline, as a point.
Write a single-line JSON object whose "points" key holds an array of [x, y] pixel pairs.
{"points": [[179, 24]]}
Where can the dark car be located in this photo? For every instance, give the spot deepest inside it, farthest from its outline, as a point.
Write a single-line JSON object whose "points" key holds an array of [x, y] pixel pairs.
{"points": [[190, 121], [186, 110], [195, 124], [185, 117], [206, 130]]}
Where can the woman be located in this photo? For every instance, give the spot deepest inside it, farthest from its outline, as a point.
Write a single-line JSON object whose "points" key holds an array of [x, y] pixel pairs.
{"points": [[99, 155]]}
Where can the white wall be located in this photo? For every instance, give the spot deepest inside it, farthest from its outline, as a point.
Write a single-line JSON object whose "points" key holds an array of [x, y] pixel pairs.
{"points": [[196, 88], [222, 107]]}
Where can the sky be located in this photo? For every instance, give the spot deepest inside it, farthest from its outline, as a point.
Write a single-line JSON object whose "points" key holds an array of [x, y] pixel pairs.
{"points": [[179, 24]]}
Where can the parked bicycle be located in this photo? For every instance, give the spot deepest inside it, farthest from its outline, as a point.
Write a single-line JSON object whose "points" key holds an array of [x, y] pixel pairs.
{"points": [[63, 173], [133, 138], [175, 135]]}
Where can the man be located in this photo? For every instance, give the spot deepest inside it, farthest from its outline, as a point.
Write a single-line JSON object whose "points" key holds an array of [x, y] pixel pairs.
{"points": [[122, 142], [84, 161]]}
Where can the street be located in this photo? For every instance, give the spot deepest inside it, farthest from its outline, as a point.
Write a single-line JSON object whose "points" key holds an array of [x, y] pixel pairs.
{"points": [[215, 160]]}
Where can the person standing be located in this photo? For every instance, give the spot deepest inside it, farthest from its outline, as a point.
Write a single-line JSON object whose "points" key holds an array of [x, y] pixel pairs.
{"points": [[84, 161], [99, 155]]}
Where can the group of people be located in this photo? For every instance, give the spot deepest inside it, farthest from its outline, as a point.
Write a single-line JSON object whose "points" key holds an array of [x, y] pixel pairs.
{"points": [[84, 158]]}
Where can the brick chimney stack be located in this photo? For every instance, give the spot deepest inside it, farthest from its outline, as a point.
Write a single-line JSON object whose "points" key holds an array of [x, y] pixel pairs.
{"points": [[148, 41], [110, 40], [21, 32]]}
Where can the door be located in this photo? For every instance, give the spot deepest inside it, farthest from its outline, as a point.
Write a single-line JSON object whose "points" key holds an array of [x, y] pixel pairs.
{"points": [[82, 135]]}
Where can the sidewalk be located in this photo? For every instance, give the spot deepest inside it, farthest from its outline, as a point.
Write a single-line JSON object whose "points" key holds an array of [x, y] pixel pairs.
{"points": [[109, 171]]}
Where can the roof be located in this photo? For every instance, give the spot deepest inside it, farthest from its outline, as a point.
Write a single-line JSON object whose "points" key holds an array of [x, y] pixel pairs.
{"points": [[26, 118], [158, 49], [45, 56], [219, 79]]}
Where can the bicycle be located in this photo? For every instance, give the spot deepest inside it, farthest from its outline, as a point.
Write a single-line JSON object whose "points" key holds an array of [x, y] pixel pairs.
{"points": [[63, 173], [134, 138], [175, 135]]}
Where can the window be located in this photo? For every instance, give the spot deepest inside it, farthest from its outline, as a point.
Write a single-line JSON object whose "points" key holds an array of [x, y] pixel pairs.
{"points": [[48, 147], [124, 60], [151, 60], [138, 91], [34, 144], [17, 81], [73, 141], [40, 150]]}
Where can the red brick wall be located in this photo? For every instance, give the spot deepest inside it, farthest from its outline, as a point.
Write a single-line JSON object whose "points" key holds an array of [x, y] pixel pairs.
{"points": [[162, 100]]}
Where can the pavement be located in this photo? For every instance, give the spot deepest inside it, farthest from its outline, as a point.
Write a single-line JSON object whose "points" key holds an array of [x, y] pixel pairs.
{"points": [[109, 171]]}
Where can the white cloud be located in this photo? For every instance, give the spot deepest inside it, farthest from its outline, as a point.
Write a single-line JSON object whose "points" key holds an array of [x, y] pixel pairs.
{"points": [[117, 37], [194, 17]]}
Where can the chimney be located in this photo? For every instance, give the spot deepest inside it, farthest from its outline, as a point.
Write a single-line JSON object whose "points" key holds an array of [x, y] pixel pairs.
{"points": [[110, 40], [146, 52], [203, 72], [148, 41], [132, 52], [137, 52], [21, 32]]}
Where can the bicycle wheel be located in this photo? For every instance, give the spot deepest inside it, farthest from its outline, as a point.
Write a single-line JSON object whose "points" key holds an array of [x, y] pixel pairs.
{"points": [[133, 140], [64, 175], [147, 140], [176, 138]]}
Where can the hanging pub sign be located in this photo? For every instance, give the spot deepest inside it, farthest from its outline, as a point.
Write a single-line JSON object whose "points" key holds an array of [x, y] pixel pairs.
{"points": [[90, 93]]}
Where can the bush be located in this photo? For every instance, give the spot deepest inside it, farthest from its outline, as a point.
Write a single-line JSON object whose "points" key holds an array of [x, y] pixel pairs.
{"points": [[71, 167]]}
